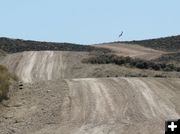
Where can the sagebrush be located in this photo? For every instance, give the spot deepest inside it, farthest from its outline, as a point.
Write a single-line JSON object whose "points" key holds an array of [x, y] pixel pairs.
{"points": [[131, 62], [4, 82]]}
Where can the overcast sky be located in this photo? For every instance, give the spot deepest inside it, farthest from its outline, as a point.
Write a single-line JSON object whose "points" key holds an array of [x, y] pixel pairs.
{"points": [[88, 21]]}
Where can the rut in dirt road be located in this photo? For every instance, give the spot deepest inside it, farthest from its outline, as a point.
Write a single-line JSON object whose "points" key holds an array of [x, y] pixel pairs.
{"points": [[123, 105], [92, 106]]}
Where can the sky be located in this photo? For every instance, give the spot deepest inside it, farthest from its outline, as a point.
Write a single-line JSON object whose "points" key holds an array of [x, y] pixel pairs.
{"points": [[89, 21]]}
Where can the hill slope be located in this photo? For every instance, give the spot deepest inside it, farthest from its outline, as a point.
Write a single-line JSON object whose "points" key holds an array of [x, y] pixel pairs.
{"points": [[165, 44], [58, 95], [36, 66], [135, 51]]}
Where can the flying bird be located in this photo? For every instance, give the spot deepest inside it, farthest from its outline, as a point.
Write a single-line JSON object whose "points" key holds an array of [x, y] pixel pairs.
{"points": [[121, 34]]}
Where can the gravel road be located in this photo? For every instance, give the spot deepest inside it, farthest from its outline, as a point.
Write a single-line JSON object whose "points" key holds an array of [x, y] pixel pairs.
{"points": [[91, 106]]}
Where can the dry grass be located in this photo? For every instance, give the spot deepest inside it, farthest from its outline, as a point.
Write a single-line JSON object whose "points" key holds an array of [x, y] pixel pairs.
{"points": [[4, 82]]}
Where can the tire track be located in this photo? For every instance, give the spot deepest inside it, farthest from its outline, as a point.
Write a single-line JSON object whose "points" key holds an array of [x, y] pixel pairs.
{"points": [[36, 66], [110, 105]]}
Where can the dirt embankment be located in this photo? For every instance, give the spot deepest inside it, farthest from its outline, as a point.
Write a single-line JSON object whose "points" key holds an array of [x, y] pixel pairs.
{"points": [[92, 106]]}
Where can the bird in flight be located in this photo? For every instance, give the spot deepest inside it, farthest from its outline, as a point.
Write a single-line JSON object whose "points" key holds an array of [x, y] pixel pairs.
{"points": [[121, 34]]}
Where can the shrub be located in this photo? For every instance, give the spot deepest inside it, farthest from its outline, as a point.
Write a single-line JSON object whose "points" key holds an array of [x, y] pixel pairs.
{"points": [[4, 82], [17, 45], [166, 44], [127, 61]]}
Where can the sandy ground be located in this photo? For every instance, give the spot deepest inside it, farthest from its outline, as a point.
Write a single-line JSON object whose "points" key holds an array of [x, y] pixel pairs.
{"points": [[92, 106], [133, 51]]}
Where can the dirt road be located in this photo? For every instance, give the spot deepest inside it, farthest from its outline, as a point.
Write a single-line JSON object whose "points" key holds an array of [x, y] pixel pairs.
{"points": [[136, 51], [55, 100], [92, 106]]}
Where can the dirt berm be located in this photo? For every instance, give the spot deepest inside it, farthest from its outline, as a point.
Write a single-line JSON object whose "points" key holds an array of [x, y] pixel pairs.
{"points": [[92, 106]]}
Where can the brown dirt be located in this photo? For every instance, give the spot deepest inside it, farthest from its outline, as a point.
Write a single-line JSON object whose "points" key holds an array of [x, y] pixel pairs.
{"points": [[92, 106]]}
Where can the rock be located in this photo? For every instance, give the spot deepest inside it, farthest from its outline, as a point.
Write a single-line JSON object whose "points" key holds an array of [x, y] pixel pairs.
{"points": [[48, 91], [17, 105]]}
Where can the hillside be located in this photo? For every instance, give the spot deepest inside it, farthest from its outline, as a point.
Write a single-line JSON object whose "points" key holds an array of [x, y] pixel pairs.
{"points": [[36, 66], [131, 50], [58, 93], [163, 50], [165, 44], [18, 45]]}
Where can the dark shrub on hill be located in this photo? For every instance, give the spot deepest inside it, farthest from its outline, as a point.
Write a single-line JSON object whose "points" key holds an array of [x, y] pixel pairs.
{"points": [[167, 43], [142, 65], [169, 58], [127, 61], [17, 45]]}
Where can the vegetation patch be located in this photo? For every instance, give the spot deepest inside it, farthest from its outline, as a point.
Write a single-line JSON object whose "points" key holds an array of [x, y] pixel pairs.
{"points": [[5, 78], [2, 53], [17, 45], [4, 82], [130, 62], [169, 58], [166, 44]]}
